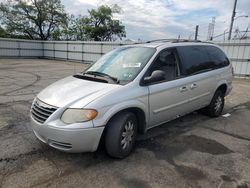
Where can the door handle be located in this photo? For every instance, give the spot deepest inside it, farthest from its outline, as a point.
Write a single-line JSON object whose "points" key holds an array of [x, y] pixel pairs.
{"points": [[183, 89], [193, 86]]}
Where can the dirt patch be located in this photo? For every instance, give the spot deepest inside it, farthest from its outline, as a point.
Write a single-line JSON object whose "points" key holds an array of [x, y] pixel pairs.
{"points": [[172, 149], [134, 183], [181, 144], [204, 145], [190, 173]]}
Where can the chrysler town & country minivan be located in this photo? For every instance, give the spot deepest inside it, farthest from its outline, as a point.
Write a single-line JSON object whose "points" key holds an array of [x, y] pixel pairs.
{"points": [[128, 91]]}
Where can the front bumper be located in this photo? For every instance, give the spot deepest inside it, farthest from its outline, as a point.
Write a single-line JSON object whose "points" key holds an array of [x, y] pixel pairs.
{"points": [[68, 140]]}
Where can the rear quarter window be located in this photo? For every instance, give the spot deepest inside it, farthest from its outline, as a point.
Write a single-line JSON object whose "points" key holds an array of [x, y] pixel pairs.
{"points": [[217, 56], [194, 59]]}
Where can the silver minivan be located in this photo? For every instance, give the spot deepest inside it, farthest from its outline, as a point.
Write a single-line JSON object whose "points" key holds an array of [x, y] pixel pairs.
{"points": [[128, 91]]}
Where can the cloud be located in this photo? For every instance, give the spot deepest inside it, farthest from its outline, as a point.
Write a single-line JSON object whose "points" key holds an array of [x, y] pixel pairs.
{"points": [[77, 7], [151, 19]]}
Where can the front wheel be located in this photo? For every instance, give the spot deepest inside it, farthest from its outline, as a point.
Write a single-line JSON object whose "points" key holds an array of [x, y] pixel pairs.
{"points": [[121, 134], [215, 108]]}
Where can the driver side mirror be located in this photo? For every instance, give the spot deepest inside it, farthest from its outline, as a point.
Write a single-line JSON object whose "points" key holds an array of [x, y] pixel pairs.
{"points": [[156, 76]]}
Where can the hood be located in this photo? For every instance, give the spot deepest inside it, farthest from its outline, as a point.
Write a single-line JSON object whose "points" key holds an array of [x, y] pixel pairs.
{"points": [[69, 90]]}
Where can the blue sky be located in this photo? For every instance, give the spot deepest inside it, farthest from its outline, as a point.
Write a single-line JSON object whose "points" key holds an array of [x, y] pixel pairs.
{"points": [[151, 19]]}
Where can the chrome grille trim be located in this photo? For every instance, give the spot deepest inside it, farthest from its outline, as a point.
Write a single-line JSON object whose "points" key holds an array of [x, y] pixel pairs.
{"points": [[36, 108], [41, 111]]}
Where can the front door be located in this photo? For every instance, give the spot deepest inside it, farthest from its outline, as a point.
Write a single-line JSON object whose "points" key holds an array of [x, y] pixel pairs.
{"points": [[168, 98]]}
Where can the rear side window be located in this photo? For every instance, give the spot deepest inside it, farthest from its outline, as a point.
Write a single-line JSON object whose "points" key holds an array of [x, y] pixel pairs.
{"points": [[194, 59], [217, 56]]}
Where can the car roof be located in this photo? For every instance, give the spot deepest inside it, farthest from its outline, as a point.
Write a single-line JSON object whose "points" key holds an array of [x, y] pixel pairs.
{"points": [[172, 43]]}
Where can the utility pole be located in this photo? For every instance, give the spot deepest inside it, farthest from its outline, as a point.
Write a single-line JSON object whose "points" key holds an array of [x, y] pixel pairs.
{"points": [[232, 20], [196, 32]]}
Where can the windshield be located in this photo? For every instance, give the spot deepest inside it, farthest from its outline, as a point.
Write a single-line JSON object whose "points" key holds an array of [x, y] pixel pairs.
{"points": [[123, 63]]}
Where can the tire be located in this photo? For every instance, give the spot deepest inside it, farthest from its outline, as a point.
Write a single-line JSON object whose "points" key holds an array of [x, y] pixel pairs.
{"points": [[121, 131], [215, 108]]}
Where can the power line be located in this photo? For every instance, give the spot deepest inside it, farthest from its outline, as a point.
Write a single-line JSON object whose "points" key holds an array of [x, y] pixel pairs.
{"points": [[245, 34]]}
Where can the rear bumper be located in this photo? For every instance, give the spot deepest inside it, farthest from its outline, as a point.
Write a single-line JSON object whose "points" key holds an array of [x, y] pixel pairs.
{"points": [[68, 140]]}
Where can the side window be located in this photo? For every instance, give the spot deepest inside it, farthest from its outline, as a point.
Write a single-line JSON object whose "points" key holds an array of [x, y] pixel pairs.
{"points": [[166, 61], [194, 59], [217, 56]]}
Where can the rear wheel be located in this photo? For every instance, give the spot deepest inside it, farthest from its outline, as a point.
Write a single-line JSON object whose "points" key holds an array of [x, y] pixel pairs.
{"points": [[121, 134], [215, 108]]}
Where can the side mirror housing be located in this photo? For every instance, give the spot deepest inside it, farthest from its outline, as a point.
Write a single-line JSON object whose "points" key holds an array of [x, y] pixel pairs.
{"points": [[156, 76]]}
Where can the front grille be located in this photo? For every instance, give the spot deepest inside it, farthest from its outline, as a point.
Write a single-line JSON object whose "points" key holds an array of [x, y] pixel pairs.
{"points": [[40, 111]]}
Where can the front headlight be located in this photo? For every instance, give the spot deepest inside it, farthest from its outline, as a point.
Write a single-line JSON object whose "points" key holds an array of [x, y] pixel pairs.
{"points": [[73, 115]]}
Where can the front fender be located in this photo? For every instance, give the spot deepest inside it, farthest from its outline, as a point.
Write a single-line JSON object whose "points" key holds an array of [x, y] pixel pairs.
{"points": [[108, 112]]}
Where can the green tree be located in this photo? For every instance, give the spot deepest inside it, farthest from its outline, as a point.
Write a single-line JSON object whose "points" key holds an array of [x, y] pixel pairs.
{"points": [[2, 32], [74, 30], [99, 25], [37, 19], [77, 28]]}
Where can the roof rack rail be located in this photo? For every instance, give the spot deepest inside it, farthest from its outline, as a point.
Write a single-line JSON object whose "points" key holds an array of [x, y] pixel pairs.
{"points": [[160, 40], [173, 40], [186, 40]]}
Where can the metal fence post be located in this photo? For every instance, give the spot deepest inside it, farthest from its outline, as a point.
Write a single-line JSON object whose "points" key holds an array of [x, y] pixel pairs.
{"points": [[248, 61], [19, 48], [43, 53], [102, 48], [83, 52], [237, 58], [242, 58], [54, 50], [67, 50]]}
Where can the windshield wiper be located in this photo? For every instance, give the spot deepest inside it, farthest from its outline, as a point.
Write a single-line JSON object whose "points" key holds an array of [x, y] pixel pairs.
{"points": [[96, 73]]}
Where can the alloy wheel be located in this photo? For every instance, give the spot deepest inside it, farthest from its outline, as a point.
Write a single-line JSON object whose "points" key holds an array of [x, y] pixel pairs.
{"points": [[218, 104], [127, 135]]}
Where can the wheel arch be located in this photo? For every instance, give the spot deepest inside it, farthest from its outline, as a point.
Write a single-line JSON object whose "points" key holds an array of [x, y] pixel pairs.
{"points": [[140, 116], [223, 87]]}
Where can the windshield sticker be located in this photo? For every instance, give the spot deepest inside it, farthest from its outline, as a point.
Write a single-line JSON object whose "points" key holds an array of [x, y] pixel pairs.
{"points": [[131, 65]]}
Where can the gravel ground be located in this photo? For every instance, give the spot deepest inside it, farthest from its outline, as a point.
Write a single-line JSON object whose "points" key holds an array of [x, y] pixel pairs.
{"points": [[192, 151]]}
